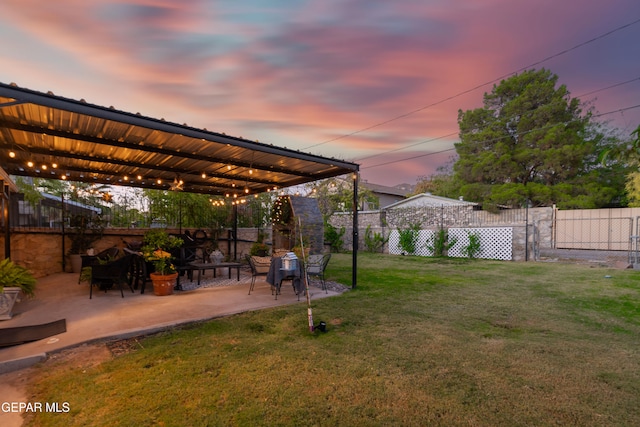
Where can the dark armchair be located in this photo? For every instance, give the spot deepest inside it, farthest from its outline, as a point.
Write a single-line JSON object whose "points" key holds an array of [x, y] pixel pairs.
{"points": [[107, 275], [102, 257]]}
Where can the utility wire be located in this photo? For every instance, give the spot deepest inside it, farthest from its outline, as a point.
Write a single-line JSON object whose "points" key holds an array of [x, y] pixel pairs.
{"points": [[408, 146], [563, 52], [454, 133], [493, 140], [608, 87]]}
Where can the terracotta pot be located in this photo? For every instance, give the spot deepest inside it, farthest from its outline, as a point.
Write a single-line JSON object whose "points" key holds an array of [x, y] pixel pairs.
{"points": [[163, 284]]}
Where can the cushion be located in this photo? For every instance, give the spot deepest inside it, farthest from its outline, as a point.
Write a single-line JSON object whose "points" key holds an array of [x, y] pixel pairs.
{"points": [[262, 263]]}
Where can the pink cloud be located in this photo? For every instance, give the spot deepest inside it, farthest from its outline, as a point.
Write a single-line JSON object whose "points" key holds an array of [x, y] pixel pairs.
{"points": [[307, 74]]}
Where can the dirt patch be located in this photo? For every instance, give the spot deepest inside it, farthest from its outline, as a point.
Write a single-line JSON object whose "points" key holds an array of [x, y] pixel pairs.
{"points": [[122, 347]]}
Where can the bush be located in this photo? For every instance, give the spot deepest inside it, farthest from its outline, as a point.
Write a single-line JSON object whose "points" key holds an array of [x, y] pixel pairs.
{"points": [[374, 242], [333, 236], [473, 248], [408, 239], [440, 243]]}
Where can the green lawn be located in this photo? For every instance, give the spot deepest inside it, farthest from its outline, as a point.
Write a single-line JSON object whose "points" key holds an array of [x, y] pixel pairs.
{"points": [[421, 341]]}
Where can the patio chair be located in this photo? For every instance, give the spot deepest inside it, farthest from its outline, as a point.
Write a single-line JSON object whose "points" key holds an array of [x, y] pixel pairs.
{"points": [[259, 267], [182, 259], [104, 256], [316, 264], [106, 275], [138, 270]]}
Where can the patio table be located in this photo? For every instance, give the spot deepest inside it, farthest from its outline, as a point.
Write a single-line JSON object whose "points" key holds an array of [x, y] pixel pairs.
{"points": [[277, 274], [202, 266]]}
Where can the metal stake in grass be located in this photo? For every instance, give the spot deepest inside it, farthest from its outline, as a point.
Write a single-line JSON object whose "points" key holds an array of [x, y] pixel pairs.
{"points": [[306, 278]]}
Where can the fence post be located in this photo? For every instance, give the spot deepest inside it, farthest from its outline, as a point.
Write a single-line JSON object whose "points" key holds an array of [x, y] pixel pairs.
{"points": [[526, 231]]}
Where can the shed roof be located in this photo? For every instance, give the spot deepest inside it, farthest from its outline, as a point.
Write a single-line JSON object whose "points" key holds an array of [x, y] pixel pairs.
{"points": [[429, 200], [70, 139]]}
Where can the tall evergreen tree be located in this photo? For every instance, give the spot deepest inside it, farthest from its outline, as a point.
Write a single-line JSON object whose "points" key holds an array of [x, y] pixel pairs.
{"points": [[532, 141]]}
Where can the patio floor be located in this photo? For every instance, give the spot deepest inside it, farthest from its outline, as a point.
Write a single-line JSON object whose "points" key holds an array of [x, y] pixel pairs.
{"points": [[109, 316]]}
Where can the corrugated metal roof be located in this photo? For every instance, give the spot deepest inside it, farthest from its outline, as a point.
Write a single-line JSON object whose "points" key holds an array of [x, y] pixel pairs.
{"points": [[89, 143]]}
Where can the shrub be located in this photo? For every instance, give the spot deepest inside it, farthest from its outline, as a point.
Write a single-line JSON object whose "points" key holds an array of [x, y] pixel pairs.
{"points": [[473, 247], [408, 238], [440, 243], [333, 236], [374, 242]]}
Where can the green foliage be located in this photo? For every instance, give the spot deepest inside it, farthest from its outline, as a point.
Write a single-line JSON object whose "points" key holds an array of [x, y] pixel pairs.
{"points": [[374, 241], [336, 195], [473, 247], [333, 236], [440, 243], [408, 238], [259, 249], [156, 246], [531, 140], [30, 190], [632, 155], [12, 274], [85, 230]]}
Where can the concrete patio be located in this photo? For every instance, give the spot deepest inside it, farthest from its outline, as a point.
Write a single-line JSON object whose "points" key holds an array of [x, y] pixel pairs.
{"points": [[109, 316]]}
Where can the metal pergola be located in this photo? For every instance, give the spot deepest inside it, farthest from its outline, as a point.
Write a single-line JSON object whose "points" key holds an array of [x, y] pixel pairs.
{"points": [[48, 136]]}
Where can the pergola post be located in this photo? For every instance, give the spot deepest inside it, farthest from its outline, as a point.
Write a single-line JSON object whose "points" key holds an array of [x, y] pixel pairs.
{"points": [[6, 198], [354, 261]]}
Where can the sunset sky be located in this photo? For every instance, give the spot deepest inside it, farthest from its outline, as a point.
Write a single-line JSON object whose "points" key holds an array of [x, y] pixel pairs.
{"points": [[375, 82]]}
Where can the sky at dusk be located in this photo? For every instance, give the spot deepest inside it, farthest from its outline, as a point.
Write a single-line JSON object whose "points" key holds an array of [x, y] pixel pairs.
{"points": [[379, 83]]}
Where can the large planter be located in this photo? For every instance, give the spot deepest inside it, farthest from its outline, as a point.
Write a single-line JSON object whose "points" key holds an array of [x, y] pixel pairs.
{"points": [[163, 284], [76, 262], [7, 299]]}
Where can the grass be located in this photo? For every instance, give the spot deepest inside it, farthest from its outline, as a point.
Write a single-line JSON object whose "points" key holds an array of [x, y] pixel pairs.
{"points": [[420, 341]]}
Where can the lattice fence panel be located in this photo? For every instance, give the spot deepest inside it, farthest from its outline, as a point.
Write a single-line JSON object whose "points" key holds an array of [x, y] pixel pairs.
{"points": [[425, 238], [495, 242], [421, 243], [394, 240]]}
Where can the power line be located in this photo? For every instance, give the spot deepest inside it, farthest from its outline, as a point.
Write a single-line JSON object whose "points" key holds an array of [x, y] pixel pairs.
{"points": [[454, 133], [563, 52], [608, 87], [408, 146], [620, 110]]}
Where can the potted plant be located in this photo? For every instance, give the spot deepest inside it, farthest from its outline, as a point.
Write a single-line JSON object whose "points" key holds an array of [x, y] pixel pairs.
{"points": [[156, 251], [259, 249], [13, 280], [85, 231]]}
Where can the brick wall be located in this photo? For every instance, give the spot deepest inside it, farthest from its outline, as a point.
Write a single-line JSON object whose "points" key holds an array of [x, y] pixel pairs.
{"points": [[41, 251]]}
